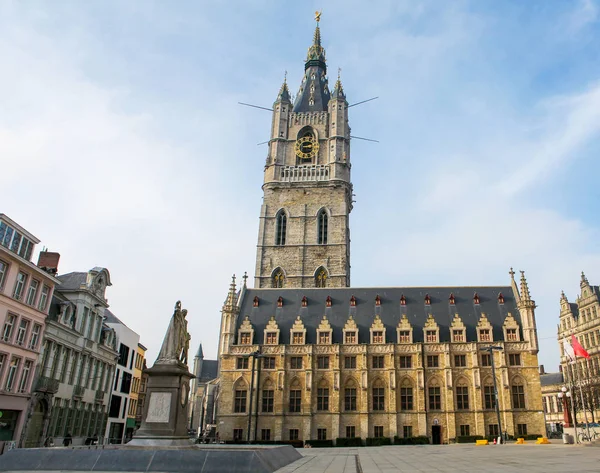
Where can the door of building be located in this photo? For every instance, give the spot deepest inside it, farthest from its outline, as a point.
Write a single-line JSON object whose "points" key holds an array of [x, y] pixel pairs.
{"points": [[436, 434], [35, 426]]}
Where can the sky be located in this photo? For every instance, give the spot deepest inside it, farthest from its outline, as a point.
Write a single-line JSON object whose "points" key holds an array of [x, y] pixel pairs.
{"points": [[122, 143]]}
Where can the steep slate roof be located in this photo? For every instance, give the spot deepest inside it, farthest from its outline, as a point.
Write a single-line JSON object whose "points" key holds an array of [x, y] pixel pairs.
{"points": [[549, 379], [390, 310], [209, 370], [112, 318], [71, 281]]}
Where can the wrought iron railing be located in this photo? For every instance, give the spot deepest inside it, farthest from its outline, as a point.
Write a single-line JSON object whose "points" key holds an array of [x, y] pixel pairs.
{"points": [[46, 385]]}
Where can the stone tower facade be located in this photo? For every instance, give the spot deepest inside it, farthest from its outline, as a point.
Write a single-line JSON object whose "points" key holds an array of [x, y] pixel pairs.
{"points": [[304, 236]]}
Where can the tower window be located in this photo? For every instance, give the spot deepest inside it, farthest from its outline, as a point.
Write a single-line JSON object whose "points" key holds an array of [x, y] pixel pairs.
{"points": [[280, 231], [321, 278], [322, 220], [278, 278]]}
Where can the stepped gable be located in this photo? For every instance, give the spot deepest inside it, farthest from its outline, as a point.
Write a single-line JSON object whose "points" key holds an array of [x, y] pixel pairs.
{"points": [[390, 310]]}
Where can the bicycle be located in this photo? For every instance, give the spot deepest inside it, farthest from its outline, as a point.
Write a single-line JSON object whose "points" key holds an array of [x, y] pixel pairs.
{"points": [[583, 436]]}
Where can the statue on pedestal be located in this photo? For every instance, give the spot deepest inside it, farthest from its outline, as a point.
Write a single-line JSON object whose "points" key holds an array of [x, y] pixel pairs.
{"points": [[176, 343]]}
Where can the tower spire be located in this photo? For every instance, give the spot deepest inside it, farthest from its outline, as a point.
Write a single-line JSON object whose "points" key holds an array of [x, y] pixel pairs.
{"points": [[584, 280], [313, 95], [231, 295]]}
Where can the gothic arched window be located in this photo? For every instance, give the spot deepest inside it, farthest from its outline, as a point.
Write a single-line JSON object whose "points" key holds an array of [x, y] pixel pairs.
{"points": [[280, 228], [321, 277], [278, 278], [322, 221]]}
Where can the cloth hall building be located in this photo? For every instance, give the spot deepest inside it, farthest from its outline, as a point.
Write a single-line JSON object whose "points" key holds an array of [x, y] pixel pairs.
{"points": [[336, 361]]}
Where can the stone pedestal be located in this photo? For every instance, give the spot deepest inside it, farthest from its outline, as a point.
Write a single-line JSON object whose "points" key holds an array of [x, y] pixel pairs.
{"points": [[165, 418]]}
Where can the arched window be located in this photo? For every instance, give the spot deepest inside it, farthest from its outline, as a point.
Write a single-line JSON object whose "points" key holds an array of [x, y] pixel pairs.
{"points": [[278, 278], [321, 277], [322, 221], [280, 228]]}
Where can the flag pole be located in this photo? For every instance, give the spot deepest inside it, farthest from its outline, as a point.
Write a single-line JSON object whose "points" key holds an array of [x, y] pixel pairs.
{"points": [[587, 424]]}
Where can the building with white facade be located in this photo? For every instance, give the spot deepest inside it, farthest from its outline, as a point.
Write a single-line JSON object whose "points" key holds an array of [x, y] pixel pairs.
{"points": [[78, 359], [120, 425]]}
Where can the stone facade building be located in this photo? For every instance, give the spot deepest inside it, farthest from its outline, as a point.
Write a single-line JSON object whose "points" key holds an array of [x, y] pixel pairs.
{"points": [[25, 294], [78, 360], [582, 319], [339, 362]]}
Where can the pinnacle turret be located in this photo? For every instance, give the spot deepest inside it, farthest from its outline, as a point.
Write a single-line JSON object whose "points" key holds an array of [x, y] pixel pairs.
{"points": [[584, 280], [524, 288], [338, 90], [284, 93]]}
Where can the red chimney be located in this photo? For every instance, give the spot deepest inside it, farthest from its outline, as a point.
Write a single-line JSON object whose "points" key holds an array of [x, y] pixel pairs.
{"points": [[48, 261]]}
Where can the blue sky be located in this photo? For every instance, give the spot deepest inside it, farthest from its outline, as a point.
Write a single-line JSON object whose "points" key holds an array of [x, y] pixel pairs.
{"points": [[123, 146]]}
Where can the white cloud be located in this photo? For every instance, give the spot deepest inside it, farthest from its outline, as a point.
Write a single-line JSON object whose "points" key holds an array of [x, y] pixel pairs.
{"points": [[159, 180]]}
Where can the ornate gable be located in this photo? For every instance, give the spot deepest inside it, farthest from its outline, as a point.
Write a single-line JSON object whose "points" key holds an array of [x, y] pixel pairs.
{"points": [[404, 331], [511, 329], [246, 332], [350, 331], [377, 331], [458, 331], [324, 332], [298, 332], [431, 330], [271, 332], [484, 329]]}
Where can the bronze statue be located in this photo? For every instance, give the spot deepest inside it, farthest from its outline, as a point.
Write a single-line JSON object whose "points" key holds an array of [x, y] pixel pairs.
{"points": [[176, 344]]}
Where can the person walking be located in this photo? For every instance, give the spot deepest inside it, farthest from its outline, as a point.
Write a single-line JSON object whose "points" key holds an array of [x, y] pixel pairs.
{"points": [[67, 440]]}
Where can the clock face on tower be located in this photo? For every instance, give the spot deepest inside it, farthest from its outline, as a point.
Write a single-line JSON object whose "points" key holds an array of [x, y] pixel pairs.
{"points": [[306, 147]]}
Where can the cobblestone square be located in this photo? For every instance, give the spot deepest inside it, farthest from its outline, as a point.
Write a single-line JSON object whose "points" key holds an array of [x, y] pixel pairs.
{"points": [[456, 458]]}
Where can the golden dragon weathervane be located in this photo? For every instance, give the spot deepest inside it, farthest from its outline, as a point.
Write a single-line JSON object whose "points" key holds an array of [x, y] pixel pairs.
{"points": [[318, 16]]}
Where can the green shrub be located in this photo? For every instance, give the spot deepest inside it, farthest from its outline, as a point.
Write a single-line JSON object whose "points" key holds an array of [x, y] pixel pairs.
{"points": [[378, 441], [348, 442], [320, 443], [468, 438], [420, 440]]}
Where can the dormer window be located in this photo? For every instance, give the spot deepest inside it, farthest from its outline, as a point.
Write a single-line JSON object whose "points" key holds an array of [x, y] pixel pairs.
{"points": [[378, 336], [452, 299], [500, 298], [350, 338], [353, 301], [404, 336], [485, 335], [304, 301], [324, 338], [280, 301], [476, 299], [328, 301], [402, 300], [377, 301], [298, 338], [427, 299], [271, 338], [458, 335], [255, 302], [431, 336], [511, 335], [245, 338]]}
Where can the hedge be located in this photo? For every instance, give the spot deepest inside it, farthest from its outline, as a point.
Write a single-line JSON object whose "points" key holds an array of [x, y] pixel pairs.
{"points": [[378, 441], [349, 442], [319, 443], [420, 440]]}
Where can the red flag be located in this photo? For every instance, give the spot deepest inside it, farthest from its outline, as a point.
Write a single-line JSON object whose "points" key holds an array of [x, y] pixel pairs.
{"points": [[578, 349]]}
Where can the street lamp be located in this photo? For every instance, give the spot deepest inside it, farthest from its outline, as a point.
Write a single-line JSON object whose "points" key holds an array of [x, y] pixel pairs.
{"points": [[564, 395], [256, 354], [490, 350]]}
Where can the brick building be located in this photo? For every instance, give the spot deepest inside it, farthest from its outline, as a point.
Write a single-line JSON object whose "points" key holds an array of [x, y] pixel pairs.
{"points": [[340, 362]]}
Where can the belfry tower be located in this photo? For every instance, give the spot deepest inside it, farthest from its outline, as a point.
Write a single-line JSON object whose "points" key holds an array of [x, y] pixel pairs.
{"points": [[304, 234]]}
